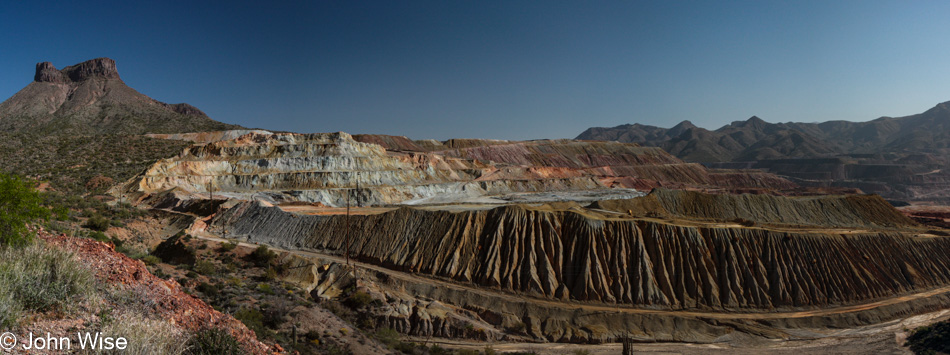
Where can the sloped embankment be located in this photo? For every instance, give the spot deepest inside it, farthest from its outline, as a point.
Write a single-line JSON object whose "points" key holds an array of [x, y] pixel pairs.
{"points": [[168, 300], [566, 255], [852, 211]]}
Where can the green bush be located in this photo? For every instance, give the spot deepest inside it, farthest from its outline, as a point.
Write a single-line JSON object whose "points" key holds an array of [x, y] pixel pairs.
{"points": [[19, 205], [151, 260], [270, 274], [98, 223], [359, 299], [265, 289], [99, 236], [931, 339], [228, 246], [40, 278], [388, 337], [205, 267], [253, 319], [262, 256], [213, 341], [208, 289]]}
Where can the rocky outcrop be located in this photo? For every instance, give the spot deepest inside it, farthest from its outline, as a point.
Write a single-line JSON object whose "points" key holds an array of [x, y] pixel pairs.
{"points": [[46, 72], [573, 256], [166, 298], [91, 98], [102, 68]]}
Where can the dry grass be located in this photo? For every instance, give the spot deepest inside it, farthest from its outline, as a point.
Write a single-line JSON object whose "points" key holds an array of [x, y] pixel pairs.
{"points": [[37, 278], [146, 336]]}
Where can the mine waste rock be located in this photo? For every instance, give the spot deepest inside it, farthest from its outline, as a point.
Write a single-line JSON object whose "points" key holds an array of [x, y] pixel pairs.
{"points": [[847, 211], [332, 168], [91, 98], [647, 262], [615, 164]]}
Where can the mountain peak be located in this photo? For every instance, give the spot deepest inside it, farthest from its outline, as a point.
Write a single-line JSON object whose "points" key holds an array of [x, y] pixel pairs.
{"points": [[89, 98], [686, 124], [95, 68], [755, 120]]}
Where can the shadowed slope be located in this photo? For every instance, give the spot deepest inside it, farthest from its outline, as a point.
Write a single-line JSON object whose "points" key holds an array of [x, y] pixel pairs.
{"points": [[569, 255]]}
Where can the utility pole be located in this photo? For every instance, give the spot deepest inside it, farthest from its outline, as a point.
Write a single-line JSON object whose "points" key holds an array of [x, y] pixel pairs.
{"points": [[347, 252], [346, 239], [211, 190]]}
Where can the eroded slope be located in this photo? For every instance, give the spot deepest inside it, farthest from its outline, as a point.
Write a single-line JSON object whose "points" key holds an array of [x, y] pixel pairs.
{"points": [[574, 255]]}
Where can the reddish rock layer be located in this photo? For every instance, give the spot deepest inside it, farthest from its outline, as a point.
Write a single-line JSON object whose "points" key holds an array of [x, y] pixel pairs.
{"points": [[170, 301]]}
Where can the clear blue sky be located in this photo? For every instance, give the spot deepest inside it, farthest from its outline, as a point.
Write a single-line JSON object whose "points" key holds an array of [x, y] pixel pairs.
{"points": [[508, 69]]}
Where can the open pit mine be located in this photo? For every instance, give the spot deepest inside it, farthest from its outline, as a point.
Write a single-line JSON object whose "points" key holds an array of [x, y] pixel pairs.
{"points": [[553, 240]]}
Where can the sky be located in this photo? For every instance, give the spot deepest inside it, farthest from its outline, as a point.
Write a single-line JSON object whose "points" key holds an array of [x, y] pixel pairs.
{"points": [[499, 69]]}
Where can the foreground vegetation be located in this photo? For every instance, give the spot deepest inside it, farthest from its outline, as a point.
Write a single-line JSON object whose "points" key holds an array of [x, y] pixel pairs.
{"points": [[932, 339], [42, 283]]}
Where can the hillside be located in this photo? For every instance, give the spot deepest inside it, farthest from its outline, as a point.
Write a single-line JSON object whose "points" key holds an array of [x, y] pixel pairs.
{"points": [[66, 126], [91, 98], [902, 158]]}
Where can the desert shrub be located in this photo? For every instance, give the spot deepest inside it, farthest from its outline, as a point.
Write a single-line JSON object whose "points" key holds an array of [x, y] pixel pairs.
{"points": [[19, 205], [10, 309], [265, 288], [359, 299], [388, 336], [205, 267], [144, 335], [98, 223], [276, 313], [60, 213], [40, 278], [151, 260], [270, 274], [262, 256], [228, 246], [98, 236], [213, 341], [253, 319], [208, 289], [933, 339]]}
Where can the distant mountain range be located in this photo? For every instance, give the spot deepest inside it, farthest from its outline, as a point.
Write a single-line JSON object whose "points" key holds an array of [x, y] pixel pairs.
{"points": [[91, 98], [900, 158], [755, 139]]}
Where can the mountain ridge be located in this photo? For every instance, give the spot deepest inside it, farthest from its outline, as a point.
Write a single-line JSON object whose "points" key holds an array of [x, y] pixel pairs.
{"points": [[91, 98], [744, 140], [902, 158]]}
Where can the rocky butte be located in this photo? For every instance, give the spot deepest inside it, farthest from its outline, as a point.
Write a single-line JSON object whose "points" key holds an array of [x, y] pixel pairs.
{"points": [[91, 98]]}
